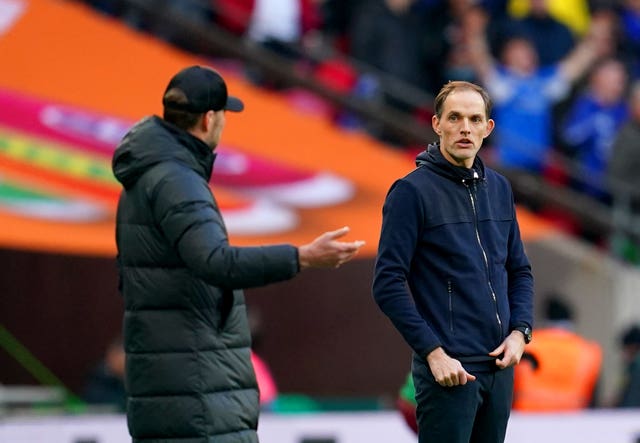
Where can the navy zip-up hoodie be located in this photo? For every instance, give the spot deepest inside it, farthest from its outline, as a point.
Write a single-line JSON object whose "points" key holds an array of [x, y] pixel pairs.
{"points": [[451, 269]]}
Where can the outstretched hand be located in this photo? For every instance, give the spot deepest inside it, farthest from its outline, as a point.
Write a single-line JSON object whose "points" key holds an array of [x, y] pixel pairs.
{"points": [[326, 251]]}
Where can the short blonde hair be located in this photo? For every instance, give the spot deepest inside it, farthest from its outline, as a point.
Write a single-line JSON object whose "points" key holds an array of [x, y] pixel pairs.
{"points": [[452, 86]]}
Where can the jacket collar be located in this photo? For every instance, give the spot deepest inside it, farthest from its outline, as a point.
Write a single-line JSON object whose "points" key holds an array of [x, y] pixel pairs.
{"points": [[433, 159], [152, 141]]}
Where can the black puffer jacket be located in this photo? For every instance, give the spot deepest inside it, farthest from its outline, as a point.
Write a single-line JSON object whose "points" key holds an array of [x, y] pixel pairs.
{"points": [[189, 376]]}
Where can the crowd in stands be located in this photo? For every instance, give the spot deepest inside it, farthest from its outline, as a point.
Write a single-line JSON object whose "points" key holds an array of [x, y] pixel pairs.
{"points": [[559, 72]]}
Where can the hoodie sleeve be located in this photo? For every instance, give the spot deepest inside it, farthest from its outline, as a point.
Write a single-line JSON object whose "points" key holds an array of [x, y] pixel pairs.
{"points": [[186, 212], [402, 220]]}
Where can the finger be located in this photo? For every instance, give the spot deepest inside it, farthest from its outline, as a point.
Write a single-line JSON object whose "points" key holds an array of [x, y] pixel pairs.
{"points": [[358, 244], [442, 380], [497, 351], [503, 362], [466, 377], [510, 360], [332, 235], [349, 249]]}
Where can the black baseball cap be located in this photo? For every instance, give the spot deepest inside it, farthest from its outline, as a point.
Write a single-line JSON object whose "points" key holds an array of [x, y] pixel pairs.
{"points": [[205, 90]]}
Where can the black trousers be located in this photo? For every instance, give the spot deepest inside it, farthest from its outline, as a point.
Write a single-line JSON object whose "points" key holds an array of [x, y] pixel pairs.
{"points": [[477, 412]]}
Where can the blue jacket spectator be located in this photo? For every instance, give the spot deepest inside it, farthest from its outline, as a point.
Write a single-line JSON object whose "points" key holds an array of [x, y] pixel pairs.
{"points": [[592, 123]]}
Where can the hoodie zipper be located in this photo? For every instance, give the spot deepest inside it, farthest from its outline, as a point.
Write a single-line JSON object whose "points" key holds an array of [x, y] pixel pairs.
{"points": [[450, 293], [472, 197]]}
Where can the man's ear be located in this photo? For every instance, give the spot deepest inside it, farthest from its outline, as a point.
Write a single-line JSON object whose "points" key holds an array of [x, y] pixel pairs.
{"points": [[490, 125], [435, 124], [208, 119]]}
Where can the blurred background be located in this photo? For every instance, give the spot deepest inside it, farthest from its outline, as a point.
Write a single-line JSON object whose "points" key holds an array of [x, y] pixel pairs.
{"points": [[338, 99]]}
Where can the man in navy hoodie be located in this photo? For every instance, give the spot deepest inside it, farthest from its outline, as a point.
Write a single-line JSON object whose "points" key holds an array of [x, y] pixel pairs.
{"points": [[453, 277]]}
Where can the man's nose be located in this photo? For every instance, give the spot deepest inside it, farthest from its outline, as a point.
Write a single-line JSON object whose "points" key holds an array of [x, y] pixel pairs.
{"points": [[465, 127]]}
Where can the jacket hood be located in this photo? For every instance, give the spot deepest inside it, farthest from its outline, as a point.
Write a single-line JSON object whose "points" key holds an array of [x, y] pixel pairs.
{"points": [[433, 159], [152, 141]]}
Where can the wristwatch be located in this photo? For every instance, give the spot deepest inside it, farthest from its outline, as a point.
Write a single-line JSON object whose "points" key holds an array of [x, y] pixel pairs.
{"points": [[526, 331]]}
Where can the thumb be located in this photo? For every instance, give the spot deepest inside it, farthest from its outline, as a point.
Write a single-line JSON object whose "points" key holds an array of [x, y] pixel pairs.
{"points": [[471, 377]]}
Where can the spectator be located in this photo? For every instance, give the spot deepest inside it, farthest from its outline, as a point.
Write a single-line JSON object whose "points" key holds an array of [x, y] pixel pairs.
{"points": [[105, 384], [388, 35], [524, 92], [624, 180], [591, 124], [197, 12], [629, 395], [559, 370], [280, 27], [551, 38], [277, 23], [337, 18], [446, 51]]}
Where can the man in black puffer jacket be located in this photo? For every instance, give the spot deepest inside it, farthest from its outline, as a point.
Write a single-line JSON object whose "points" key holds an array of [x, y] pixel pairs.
{"points": [[188, 369]]}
